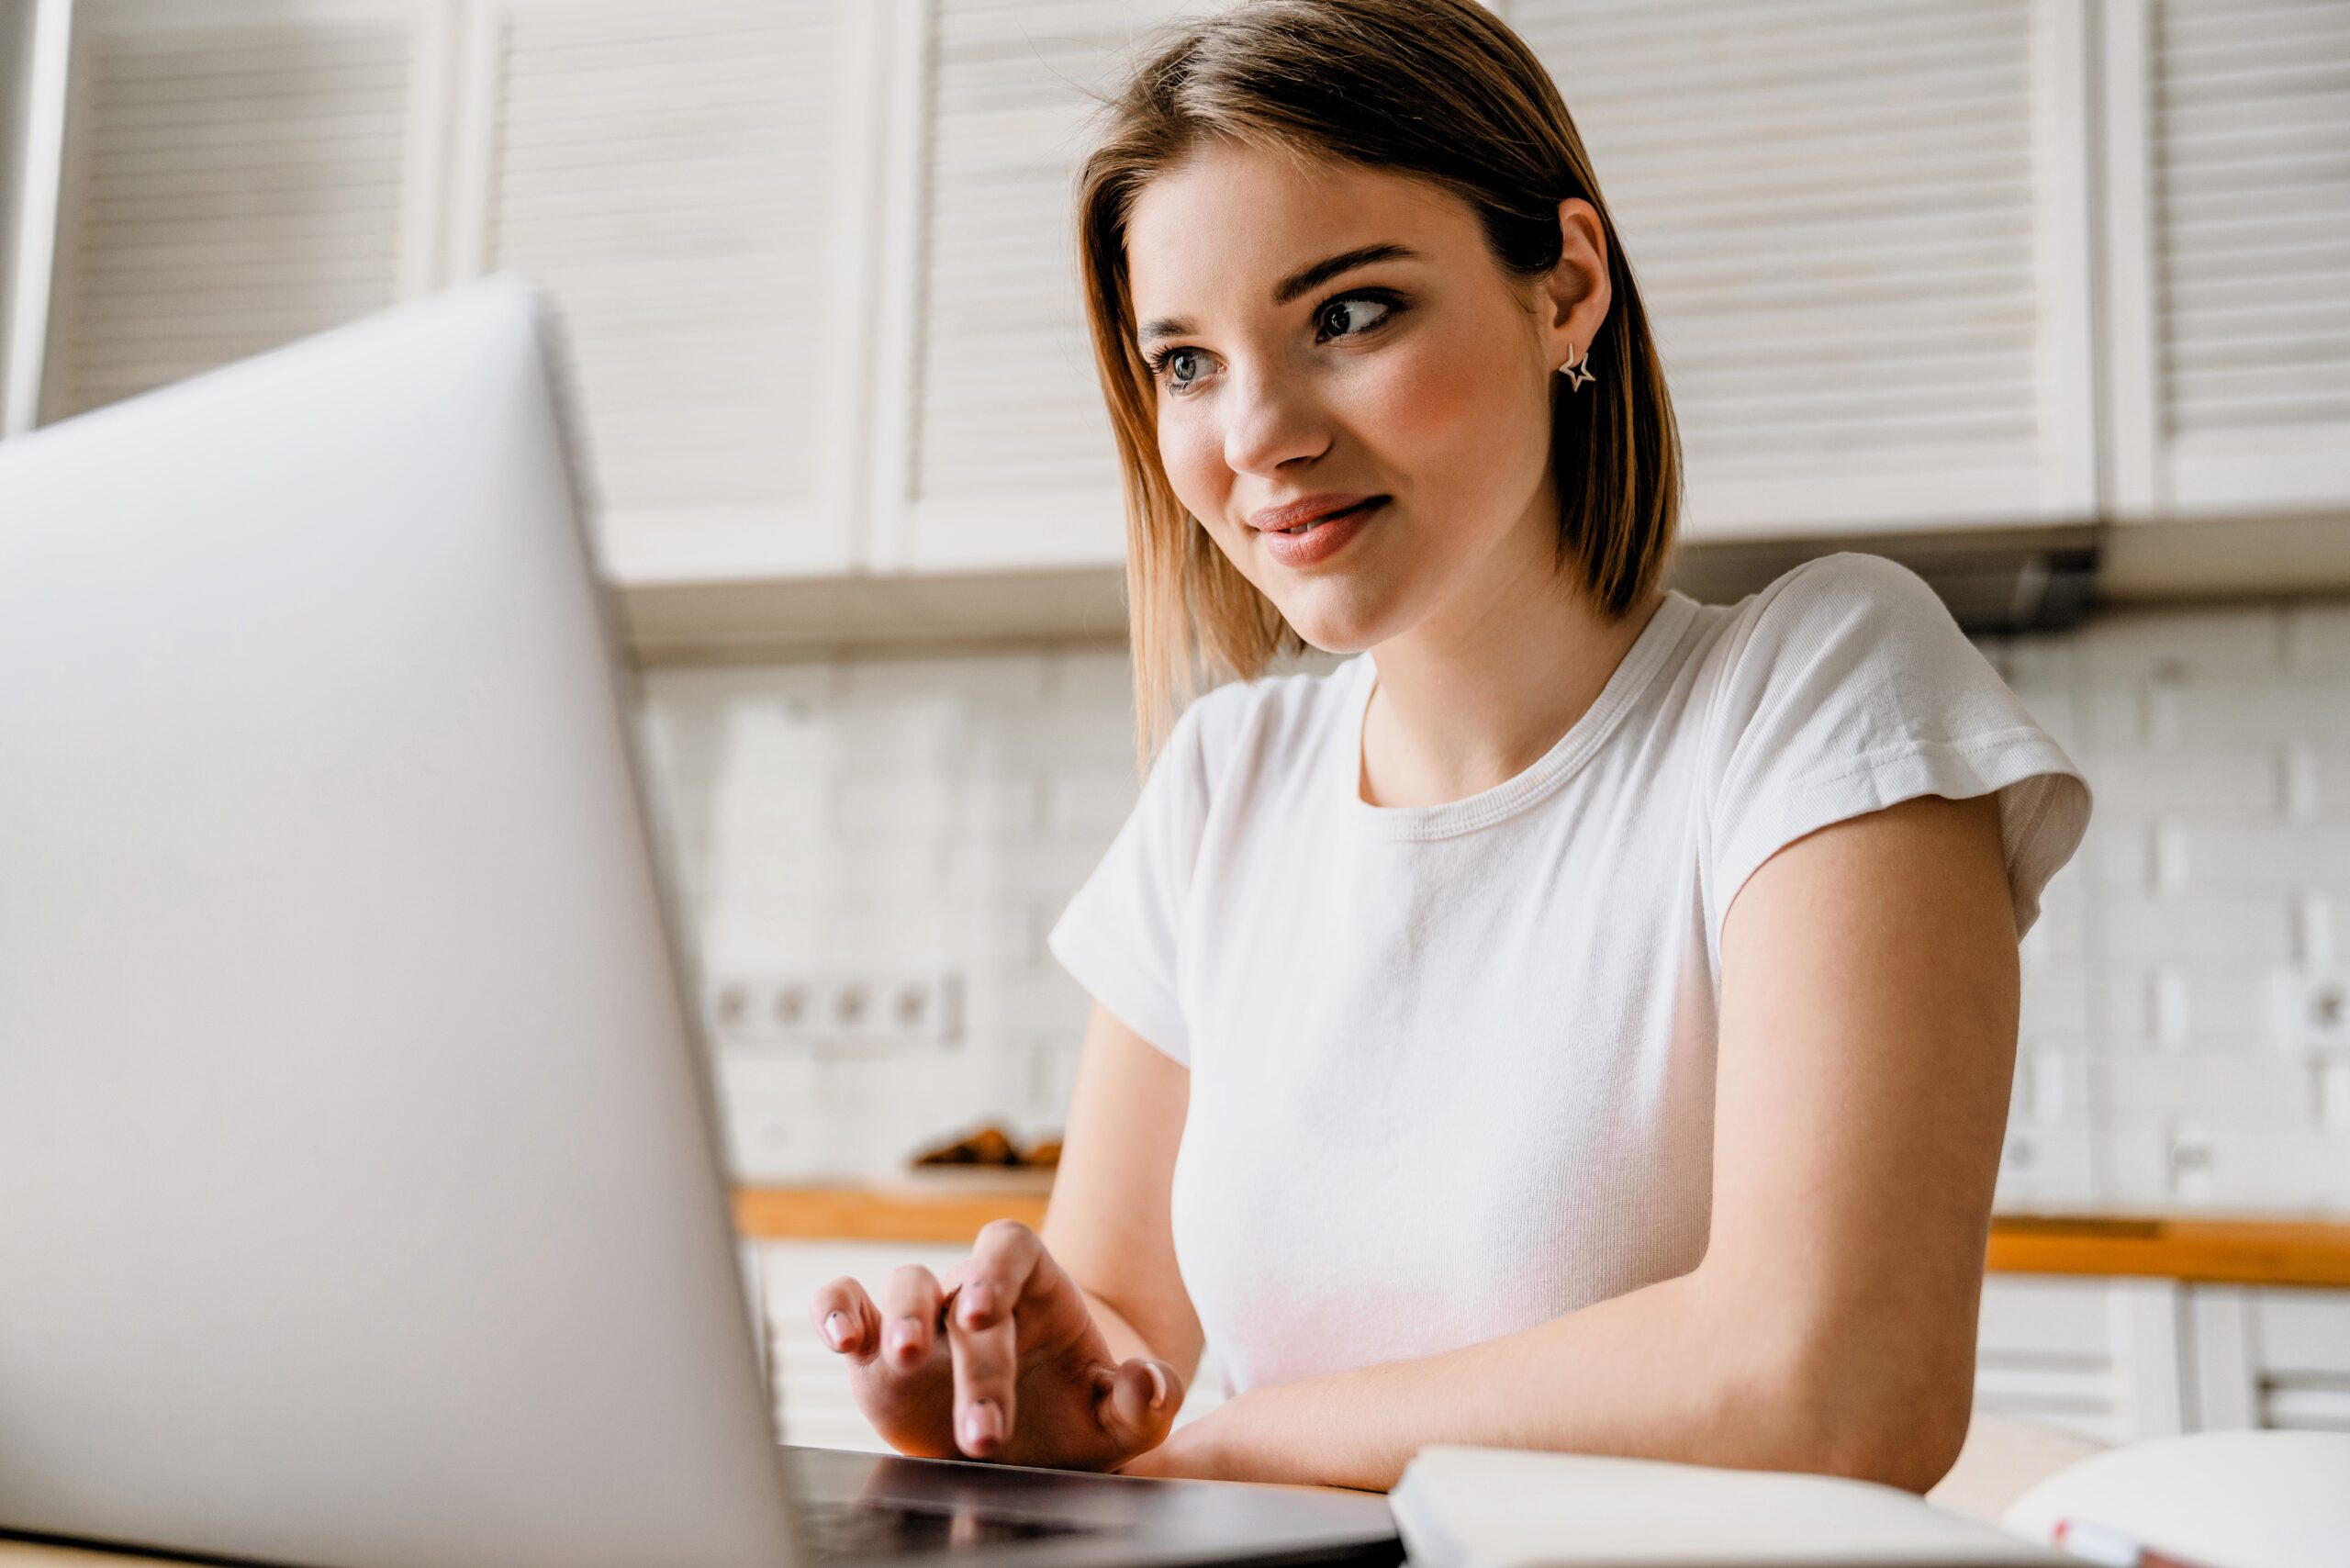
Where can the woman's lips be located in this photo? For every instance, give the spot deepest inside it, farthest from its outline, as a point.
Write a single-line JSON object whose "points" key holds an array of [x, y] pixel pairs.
{"points": [[1325, 538]]}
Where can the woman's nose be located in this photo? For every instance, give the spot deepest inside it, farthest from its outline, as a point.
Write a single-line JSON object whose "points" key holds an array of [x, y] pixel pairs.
{"points": [[1270, 420]]}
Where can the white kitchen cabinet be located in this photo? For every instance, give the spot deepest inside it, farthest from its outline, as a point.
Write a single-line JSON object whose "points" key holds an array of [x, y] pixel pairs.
{"points": [[693, 185], [816, 263], [2119, 1360], [2097, 1357], [2272, 1357], [2227, 212], [1862, 235], [233, 175], [993, 448]]}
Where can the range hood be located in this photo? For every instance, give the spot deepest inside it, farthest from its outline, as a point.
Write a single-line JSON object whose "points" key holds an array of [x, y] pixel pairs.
{"points": [[1995, 580]]}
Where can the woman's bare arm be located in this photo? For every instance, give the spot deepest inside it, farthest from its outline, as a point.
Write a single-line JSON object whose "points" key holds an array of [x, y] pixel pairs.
{"points": [[1107, 1222], [1868, 1041]]}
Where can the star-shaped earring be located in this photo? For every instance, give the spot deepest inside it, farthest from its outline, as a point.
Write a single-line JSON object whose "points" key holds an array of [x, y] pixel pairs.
{"points": [[1575, 374]]}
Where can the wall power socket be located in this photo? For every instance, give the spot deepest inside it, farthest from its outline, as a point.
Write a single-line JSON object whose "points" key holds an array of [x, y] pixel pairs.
{"points": [[857, 1009]]}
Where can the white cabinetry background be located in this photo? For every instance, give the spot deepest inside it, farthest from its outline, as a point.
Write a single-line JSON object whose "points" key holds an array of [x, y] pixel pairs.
{"points": [[1941, 265], [235, 176], [2229, 244], [691, 185], [1862, 234]]}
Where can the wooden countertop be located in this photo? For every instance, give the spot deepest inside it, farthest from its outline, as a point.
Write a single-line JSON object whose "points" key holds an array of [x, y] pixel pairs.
{"points": [[2211, 1250]]}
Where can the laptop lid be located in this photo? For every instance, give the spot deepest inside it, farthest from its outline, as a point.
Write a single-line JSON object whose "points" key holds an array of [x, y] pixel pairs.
{"points": [[358, 1194]]}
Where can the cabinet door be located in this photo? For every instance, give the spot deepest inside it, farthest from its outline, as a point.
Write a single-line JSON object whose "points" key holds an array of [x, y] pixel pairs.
{"points": [[2229, 255], [236, 175], [2272, 1357], [690, 183], [995, 449], [2099, 1358], [1862, 234]]}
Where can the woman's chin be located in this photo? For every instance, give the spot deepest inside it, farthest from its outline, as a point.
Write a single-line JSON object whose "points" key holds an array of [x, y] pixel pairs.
{"points": [[1335, 628]]}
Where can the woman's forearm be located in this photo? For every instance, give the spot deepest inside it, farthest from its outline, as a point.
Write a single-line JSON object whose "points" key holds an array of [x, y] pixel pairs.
{"points": [[1676, 1371]]}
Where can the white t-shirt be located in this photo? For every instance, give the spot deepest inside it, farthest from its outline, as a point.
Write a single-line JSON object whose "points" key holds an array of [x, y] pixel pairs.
{"points": [[1452, 1066]]}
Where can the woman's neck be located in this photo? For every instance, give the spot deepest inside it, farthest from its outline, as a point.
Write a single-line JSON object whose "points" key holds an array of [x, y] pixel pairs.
{"points": [[1463, 704]]}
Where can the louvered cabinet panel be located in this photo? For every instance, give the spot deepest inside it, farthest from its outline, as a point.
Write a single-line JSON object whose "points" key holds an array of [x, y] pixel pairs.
{"points": [[687, 181], [1859, 231], [236, 175], [2229, 128], [999, 451]]}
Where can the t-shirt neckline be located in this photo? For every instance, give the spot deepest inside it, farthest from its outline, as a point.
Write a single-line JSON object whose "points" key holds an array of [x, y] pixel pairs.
{"points": [[1567, 754]]}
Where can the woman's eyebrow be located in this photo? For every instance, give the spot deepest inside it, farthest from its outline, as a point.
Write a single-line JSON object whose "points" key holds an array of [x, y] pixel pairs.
{"points": [[1294, 286], [1321, 272]]}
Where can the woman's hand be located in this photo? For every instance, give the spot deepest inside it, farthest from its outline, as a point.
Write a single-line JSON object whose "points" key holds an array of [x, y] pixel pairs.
{"points": [[1002, 1361]]}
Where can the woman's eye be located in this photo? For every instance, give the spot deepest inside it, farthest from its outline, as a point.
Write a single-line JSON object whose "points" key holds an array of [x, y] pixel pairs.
{"points": [[1342, 317], [1182, 366]]}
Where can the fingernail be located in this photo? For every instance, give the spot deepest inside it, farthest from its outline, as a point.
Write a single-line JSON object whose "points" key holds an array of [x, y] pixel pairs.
{"points": [[836, 1330], [975, 1305], [981, 1424], [902, 1337], [1158, 1386]]}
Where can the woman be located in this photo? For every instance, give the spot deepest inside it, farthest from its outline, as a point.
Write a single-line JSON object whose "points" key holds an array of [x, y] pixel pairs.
{"points": [[1584, 1021]]}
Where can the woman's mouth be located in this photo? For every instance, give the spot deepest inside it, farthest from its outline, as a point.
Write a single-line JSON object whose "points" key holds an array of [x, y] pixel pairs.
{"points": [[1315, 539]]}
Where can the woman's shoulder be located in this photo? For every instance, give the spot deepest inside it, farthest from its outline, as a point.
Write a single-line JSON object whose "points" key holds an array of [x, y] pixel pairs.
{"points": [[1846, 619], [1281, 719], [1846, 658], [1845, 593]]}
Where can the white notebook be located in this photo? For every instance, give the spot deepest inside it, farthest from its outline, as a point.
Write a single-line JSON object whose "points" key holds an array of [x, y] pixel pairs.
{"points": [[1480, 1507]]}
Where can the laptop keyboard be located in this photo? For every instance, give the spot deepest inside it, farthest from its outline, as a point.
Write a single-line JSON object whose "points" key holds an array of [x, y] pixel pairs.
{"points": [[878, 1528]]}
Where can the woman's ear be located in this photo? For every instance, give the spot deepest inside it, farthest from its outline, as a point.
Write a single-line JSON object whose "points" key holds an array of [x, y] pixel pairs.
{"points": [[1575, 292]]}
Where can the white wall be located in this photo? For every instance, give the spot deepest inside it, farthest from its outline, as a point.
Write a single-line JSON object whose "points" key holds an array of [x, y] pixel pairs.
{"points": [[937, 812]]}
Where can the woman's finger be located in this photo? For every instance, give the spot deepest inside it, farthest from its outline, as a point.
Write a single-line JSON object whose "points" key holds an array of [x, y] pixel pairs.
{"points": [[1003, 1257], [909, 1312], [984, 1334], [847, 1319], [1138, 1402]]}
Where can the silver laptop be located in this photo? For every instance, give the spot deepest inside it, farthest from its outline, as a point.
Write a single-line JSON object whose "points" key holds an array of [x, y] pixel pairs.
{"points": [[359, 1196]]}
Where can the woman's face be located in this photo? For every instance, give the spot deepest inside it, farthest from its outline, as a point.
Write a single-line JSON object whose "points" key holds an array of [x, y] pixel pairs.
{"points": [[1328, 338]]}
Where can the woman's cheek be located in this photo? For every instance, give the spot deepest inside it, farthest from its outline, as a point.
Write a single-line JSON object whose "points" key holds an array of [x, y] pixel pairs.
{"points": [[1451, 411], [1194, 460], [1425, 396]]}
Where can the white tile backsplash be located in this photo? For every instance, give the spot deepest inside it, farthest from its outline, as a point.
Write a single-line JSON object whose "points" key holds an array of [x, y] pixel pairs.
{"points": [[897, 816]]}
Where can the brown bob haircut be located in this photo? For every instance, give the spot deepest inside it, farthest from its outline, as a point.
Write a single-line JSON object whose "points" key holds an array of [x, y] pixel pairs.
{"points": [[1439, 89]]}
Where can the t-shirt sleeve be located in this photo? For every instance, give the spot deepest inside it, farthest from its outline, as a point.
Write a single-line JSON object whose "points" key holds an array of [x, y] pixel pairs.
{"points": [[1854, 689], [1118, 936]]}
